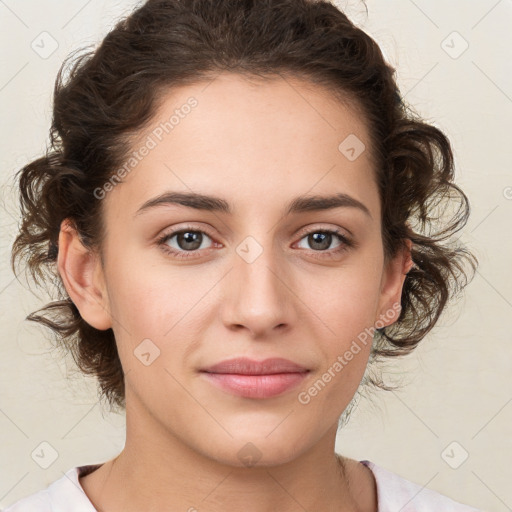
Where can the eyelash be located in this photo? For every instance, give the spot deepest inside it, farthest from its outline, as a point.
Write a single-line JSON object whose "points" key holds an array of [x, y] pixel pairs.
{"points": [[345, 245]]}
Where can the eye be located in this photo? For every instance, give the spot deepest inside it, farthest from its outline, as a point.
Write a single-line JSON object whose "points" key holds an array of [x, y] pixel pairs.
{"points": [[321, 239], [186, 240]]}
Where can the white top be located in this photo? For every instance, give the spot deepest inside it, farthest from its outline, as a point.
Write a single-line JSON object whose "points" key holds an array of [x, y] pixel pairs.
{"points": [[394, 494]]}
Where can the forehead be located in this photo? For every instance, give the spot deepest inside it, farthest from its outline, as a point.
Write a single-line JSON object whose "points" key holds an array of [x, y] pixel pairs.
{"points": [[251, 139]]}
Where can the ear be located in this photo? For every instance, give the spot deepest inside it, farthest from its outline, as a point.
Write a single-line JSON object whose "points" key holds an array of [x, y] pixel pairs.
{"points": [[392, 283], [82, 274]]}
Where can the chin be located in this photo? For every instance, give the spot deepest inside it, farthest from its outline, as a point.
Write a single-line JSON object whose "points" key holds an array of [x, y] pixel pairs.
{"points": [[256, 451]]}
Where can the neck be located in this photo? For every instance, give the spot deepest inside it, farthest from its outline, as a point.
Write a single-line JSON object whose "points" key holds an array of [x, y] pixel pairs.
{"points": [[156, 469]]}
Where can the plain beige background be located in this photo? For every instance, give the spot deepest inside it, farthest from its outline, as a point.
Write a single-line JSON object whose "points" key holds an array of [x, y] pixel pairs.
{"points": [[453, 65]]}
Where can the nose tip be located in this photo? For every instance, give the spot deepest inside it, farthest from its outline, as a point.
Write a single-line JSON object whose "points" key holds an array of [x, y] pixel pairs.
{"points": [[258, 296]]}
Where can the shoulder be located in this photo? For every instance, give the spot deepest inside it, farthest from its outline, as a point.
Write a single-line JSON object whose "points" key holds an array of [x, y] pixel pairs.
{"points": [[37, 502], [58, 496], [397, 493]]}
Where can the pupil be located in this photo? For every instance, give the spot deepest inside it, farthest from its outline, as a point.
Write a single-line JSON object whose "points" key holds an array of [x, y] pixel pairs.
{"points": [[188, 238], [323, 238]]}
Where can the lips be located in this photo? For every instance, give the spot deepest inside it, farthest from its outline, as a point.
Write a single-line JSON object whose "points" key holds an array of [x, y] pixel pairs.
{"points": [[255, 379], [246, 366]]}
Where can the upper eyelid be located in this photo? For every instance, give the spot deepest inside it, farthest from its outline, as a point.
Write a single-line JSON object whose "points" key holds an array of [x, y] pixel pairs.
{"points": [[314, 229]]}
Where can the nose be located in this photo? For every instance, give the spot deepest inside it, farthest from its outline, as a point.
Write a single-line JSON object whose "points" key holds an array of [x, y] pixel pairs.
{"points": [[258, 298]]}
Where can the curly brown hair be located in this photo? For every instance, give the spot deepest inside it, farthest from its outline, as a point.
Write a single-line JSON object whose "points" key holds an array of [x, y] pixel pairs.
{"points": [[104, 96]]}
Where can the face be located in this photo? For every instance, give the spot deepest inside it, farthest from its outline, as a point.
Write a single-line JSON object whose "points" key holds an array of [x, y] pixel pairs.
{"points": [[255, 273]]}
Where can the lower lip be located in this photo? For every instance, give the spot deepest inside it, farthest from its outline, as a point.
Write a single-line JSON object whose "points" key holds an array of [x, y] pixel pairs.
{"points": [[255, 386]]}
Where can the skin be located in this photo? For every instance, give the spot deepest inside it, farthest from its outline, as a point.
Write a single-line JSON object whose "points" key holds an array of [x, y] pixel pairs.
{"points": [[258, 146]]}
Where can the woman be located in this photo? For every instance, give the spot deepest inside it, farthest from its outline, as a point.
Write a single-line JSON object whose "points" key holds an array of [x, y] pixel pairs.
{"points": [[229, 203]]}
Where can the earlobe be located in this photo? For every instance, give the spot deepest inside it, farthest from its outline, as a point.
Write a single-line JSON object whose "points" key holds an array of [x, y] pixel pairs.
{"points": [[392, 284], [82, 275]]}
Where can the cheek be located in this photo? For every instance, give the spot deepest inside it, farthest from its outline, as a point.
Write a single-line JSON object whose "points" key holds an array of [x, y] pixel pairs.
{"points": [[147, 297], [159, 314], [347, 311], [346, 304], [345, 300]]}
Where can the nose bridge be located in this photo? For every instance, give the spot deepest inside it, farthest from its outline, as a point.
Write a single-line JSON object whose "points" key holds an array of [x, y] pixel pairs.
{"points": [[259, 299]]}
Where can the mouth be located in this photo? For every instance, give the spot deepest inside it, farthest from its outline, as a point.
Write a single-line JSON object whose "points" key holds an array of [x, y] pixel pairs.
{"points": [[255, 379]]}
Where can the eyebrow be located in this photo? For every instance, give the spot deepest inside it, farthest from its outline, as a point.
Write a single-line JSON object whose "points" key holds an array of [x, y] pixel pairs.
{"points": [[299, 204]]}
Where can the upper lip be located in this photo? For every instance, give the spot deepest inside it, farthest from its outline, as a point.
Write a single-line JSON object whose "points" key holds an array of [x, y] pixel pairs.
{"points": [[246, 366]]}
